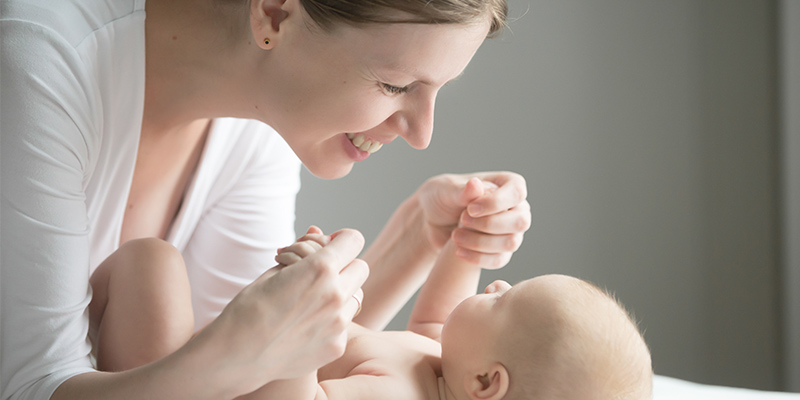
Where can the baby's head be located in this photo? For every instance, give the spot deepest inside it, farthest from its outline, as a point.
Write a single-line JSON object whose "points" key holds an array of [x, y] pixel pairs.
{"points": [[550, 337]]}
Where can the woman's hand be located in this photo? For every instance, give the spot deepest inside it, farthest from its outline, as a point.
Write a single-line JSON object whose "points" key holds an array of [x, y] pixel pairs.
{"points": [[306, 245], [291, 320], [485, 214]]}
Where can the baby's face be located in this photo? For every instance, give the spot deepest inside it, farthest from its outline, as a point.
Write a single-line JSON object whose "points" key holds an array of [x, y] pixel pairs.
{"points": [[484, 319]]}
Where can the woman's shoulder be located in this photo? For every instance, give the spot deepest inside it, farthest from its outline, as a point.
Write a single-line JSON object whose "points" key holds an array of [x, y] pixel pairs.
{"points": [[49, 68], [73, 20]]}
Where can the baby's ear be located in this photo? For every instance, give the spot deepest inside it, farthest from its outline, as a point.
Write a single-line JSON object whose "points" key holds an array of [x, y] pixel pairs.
{"points": [[491, 384]]}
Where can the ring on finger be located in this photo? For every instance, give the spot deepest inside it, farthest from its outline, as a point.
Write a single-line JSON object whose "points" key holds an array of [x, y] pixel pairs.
{"points": [[359, 305]]}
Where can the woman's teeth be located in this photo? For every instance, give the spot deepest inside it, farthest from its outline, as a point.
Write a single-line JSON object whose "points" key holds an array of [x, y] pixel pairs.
{"points": [[364, 144]]}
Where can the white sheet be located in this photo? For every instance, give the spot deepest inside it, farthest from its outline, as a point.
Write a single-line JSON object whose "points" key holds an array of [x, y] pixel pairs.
{"points": [[665, 388]]}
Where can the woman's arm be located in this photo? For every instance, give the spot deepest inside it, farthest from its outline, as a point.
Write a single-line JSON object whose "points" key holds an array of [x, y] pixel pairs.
{"points": [[47, 148], [400, 259], [287, 323]]}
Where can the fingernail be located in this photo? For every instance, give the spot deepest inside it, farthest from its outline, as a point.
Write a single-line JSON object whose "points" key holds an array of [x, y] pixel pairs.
{"points": [[474, 209]]}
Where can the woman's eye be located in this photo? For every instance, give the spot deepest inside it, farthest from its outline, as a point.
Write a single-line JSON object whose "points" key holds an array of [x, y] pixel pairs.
{"points": [[394, 89]]}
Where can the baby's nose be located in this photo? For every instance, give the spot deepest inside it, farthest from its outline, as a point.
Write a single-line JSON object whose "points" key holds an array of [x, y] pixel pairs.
{"points": [[497, 286]]}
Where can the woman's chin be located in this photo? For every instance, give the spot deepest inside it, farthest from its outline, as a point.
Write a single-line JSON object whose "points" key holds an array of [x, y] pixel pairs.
{"points": [[330, 172]]}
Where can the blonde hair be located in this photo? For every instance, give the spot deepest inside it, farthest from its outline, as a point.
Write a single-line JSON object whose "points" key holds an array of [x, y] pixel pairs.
{"points": [[551, 358], [328, 13]]}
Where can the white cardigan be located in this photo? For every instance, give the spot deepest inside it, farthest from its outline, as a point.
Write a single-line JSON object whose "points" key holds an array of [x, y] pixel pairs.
{"points": [[71, 106]]}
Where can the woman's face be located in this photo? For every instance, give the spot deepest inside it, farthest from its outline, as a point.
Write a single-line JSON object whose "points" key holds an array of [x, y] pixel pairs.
{"points": [[332, 92]]}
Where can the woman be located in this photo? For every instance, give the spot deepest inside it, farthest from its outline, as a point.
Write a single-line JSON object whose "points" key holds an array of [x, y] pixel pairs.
{"points": [[115, 128]]}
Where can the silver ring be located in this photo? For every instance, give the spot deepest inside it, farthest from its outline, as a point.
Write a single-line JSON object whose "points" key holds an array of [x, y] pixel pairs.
{"points": [[359, 305]]}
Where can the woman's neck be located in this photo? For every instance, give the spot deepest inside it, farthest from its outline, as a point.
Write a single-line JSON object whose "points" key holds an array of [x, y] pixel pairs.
{"points": [[197, 59]]}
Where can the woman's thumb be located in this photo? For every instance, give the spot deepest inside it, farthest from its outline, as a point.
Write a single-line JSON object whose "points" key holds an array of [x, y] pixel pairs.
{"points": [[472, 190]]}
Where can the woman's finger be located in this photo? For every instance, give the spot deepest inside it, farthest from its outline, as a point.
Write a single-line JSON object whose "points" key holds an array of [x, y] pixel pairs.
{"points": [[485, 243], [511, 191], [353, 307], [287, 258], [353, 276], [514, 220], [484, 260], [344, 247]]}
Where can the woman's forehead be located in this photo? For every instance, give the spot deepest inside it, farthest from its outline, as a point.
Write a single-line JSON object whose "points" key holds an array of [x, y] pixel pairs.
{"points": [[432, 53]]}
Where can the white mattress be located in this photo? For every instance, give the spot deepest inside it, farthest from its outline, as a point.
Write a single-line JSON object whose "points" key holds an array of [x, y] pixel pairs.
{"points": [[665, 388]]}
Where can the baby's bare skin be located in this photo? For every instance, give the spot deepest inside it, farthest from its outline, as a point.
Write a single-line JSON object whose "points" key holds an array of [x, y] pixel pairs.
{"points": [[399, 365], [469, 330]]}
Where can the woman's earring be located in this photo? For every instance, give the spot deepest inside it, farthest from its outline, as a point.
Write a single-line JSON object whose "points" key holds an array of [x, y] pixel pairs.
{"points": [[266, 41]]}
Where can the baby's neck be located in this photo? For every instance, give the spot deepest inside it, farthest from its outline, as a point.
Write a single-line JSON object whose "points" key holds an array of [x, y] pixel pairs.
{"points": [[442, 388], [444, 391]]}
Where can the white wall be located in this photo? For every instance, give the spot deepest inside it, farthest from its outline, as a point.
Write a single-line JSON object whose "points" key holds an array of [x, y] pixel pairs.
{"points": [[790, 127], [647, 134]]}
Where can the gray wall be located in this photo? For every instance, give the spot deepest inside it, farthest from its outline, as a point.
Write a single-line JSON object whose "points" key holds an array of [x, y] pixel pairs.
{"points": [[647, 131], [790, 144]]}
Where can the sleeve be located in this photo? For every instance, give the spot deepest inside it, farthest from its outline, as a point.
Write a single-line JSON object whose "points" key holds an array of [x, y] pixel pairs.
{"points": [[44, 158], [250, 215]]}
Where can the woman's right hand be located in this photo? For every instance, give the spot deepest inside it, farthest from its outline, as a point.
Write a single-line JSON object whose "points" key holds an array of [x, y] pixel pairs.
{"points": [[292, 320]]}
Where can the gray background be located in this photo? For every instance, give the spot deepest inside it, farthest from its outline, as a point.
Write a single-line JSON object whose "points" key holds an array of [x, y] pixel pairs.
{"points": [[656, 144]]}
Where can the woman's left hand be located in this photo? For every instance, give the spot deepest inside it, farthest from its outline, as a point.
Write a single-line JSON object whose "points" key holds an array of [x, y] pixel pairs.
{"points": [[485, 214]]}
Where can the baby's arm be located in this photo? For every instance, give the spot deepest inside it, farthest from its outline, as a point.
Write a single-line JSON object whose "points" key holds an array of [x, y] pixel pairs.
{"points": [[451, 280]]}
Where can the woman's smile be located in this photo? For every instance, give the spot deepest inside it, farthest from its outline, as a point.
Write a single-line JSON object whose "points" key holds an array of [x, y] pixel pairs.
{"points": [[364, 144], [353, 151]]}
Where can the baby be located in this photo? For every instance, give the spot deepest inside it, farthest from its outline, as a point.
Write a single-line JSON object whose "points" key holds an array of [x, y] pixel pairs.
{"points": [[550, 337]]}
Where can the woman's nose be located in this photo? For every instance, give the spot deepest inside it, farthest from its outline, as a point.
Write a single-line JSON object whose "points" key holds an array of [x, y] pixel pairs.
{"points": [[416, 125]]}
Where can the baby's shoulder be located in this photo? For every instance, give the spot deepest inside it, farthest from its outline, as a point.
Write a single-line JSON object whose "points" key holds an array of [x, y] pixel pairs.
{"points": [[411, 360], [405, 364], [396, 353], [393, 345], [412, 341]]}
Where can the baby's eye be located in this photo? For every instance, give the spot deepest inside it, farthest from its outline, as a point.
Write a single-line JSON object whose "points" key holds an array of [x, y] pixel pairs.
{"points": [[394, 89]]}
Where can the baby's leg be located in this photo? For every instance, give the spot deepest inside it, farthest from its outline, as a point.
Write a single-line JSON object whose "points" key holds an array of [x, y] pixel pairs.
{"points": [[141, 307]]}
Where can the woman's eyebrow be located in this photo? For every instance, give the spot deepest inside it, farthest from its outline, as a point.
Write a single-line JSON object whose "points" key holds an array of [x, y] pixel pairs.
{"points": [[425, 80], [430, 83]]}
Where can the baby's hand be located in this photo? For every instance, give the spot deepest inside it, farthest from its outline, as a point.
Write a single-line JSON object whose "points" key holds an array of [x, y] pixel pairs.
{"points": [[309, 244]]}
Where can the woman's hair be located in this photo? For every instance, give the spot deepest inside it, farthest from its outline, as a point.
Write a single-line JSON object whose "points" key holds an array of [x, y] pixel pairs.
{"points": [[328, 13]]}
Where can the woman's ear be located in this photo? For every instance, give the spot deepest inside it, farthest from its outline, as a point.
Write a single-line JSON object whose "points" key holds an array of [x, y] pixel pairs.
{"points": [[266, 17], [491, 384]]}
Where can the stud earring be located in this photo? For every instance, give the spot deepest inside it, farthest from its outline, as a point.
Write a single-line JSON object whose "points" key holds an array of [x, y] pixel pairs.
{"points": [[266, 40]]}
